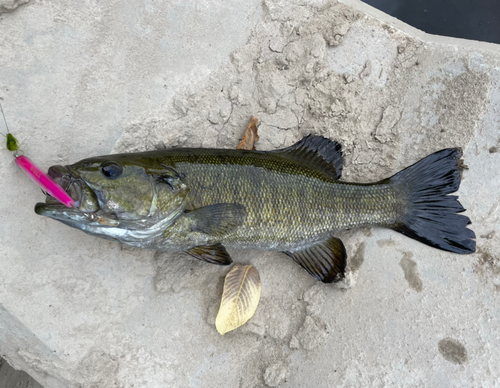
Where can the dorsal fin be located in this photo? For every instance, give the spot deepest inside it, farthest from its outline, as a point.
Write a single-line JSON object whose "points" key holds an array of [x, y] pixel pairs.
{"points": [[318, 152]]}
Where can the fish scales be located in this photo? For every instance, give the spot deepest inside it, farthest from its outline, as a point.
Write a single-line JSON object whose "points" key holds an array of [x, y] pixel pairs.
{"points": [[286, 203]]}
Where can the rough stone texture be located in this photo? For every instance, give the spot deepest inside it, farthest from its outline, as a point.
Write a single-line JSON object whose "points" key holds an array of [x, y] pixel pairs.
{"points": [[275, 375], [10, 378], [84, 78], [10, 5]]}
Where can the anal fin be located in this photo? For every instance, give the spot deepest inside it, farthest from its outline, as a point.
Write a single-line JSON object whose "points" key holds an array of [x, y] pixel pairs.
{"points": [[325, 261], [215, 254]]}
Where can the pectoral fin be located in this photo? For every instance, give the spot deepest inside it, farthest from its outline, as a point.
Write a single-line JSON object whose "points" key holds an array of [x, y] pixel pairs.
{"points": [[325, 261], [218, 219], [215, 254]]}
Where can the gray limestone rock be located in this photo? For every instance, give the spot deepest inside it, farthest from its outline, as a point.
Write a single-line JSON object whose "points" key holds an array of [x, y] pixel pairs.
{"points": [[11, 5], [275, 375], [82, 79]]}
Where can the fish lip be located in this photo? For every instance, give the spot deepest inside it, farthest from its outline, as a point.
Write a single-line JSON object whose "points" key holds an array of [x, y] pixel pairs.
{"points": [[69, 216], [45, 209], [72, 184]]}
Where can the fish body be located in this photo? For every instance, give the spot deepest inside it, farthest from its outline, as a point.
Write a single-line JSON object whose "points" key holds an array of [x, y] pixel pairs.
{"points": [[292, 200]]}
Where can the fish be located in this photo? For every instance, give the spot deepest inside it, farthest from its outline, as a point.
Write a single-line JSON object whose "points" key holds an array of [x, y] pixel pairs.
{"points": [[202, 201]]}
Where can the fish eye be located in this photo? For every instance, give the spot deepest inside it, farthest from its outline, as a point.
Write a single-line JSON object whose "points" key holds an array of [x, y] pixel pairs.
{"points": [[111, 170]]}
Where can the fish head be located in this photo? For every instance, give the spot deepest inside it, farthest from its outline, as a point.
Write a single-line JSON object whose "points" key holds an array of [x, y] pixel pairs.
{"points": [[117, 193]]}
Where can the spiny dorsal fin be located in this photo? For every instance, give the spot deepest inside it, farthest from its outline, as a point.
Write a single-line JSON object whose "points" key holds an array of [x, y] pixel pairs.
{"points": [[325, 261], [218, 219], [215, 254], [318, 152]]}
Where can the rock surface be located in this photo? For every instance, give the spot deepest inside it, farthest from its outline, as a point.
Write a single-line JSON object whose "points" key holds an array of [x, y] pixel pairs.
{"points": [[81, 79], [10, 5], [10, 378]]}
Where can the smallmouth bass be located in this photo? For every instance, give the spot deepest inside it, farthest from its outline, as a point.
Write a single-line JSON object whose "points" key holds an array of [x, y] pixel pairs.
{"points": [[291, 200]]}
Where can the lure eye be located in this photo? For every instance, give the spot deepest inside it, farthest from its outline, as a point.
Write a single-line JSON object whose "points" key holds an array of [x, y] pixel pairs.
{"points": [[111, 170]]}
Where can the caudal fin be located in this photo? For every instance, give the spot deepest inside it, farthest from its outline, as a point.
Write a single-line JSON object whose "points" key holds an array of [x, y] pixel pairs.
{"points": [[432, 216]]}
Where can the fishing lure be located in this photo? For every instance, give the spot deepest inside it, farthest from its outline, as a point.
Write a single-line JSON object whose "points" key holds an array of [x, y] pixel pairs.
{"points": [[34, 172]]}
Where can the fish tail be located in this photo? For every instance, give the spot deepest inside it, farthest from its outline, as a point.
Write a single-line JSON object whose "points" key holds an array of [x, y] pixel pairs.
{"points": [[432, 215]]}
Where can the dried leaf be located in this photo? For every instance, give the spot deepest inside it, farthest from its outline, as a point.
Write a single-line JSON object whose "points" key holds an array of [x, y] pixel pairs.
{"points": [[251, 137], [240, 298]]}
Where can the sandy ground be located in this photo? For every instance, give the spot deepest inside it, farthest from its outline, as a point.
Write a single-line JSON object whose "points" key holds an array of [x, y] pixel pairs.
{"points": [[80, 79]]}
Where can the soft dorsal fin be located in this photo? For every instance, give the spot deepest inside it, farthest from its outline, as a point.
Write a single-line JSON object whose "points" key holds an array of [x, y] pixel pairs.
{"points": [[325, 261], [318, 152]]}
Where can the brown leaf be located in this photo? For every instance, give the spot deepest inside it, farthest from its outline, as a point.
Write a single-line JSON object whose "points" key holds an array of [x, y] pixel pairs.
{"points": [[251, 137], [240, 298]]}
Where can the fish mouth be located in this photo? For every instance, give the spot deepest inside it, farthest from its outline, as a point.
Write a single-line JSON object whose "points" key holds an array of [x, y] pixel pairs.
{"points": [[83, 196]]}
